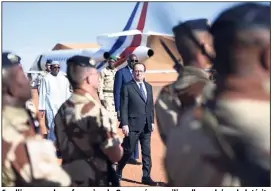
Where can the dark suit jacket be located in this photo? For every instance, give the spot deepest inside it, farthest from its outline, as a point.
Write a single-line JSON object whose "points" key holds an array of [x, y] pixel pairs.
{"points": [[122, 77], [135, 112]]}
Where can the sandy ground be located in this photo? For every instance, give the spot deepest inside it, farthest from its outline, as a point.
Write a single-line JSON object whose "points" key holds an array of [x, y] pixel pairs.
{"points": [[132, 174]]}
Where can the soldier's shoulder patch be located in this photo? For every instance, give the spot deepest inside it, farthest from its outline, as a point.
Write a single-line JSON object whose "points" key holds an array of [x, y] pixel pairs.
{"points": [[87, 107]]}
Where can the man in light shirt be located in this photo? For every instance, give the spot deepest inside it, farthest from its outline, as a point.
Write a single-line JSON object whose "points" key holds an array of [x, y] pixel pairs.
{"points": [[54, 91]]}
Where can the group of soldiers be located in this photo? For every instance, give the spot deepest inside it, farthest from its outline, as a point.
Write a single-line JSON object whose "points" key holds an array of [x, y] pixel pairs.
{"points": [[216, 133]]}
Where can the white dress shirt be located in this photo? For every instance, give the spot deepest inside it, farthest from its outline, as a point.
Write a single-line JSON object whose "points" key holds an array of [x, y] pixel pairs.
{"points": [[144, 87], [130, 69]]}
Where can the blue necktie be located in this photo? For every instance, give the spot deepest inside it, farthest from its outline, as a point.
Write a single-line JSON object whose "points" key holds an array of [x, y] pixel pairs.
{"points": [[143, 91]]}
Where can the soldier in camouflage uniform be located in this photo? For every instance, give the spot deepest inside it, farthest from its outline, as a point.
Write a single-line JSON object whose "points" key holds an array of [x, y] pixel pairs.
{"points": [[193, 77], [86, 136], [24, 163], [105, 89], [226, 141]]}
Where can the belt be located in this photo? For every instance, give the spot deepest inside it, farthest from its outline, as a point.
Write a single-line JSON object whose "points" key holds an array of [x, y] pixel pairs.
{"points": [[108, 91]]}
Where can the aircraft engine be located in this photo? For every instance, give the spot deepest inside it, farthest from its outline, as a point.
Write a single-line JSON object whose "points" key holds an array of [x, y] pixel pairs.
{"points": [[143, 53], [98, 56]]}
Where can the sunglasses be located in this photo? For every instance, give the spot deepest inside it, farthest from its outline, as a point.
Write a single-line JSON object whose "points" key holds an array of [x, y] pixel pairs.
{"points": [[56, 67], [134, 61]]}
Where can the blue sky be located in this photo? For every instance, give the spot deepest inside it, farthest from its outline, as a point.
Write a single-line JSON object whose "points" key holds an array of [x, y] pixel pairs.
{"points": [[31, 28]]}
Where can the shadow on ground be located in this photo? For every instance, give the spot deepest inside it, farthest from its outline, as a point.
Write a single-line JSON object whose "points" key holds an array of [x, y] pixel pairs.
{"points": [[161, 184]]}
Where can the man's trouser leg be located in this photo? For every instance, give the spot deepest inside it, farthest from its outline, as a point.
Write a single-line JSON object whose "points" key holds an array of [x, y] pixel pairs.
{"points": [[129, 144], [135, 154]]}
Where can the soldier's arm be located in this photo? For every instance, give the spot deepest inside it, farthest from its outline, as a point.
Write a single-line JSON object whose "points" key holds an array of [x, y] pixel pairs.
{"points": [[44, 163], [37, 167], [118, 81], [166, 114], [111, 144]]}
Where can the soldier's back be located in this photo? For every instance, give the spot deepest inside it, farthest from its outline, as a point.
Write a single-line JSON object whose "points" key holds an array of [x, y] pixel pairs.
{"points": [[176, 98], [249, 120], [201, 162], [188, 166], [24, 162], [82, 128]]}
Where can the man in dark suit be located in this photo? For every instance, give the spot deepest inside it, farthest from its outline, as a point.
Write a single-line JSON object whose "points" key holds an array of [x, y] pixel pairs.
{"points": [[137, 120], [122, 77]]}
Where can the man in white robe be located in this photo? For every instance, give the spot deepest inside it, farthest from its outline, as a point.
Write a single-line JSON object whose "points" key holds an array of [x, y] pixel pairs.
{"points": [[54, 91]]}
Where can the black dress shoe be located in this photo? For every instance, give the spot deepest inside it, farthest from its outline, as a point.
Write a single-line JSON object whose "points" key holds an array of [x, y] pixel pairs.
{"points": [[149, 181], [134, 162]]}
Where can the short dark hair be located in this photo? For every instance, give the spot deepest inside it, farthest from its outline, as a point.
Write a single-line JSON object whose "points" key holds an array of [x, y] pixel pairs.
{"points": [[77, 66], [187, 48], [76, 74], [238, 26], [183, 37], [139, 63]]}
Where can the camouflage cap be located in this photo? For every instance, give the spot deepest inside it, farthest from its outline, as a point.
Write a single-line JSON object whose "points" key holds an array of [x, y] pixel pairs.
{"points": [[9, 60], [243, 16], [82, 61]]}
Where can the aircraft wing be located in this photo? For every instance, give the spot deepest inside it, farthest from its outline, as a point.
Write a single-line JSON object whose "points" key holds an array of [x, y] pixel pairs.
{"points": [[117, 34], [107, 40], [152, 33]]}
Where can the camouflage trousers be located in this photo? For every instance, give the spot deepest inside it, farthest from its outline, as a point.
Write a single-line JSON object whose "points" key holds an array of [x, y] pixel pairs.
{"points": [[109, 105]]}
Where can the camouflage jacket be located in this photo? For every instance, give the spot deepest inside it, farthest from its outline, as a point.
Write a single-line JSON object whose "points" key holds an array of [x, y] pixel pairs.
{"points": [[24, 162], [83, 127], [190, 89], [227, 145], [106, 83]]}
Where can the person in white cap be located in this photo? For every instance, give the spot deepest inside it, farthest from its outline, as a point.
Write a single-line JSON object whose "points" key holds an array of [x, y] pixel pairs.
{"points": [[54, 91]]}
